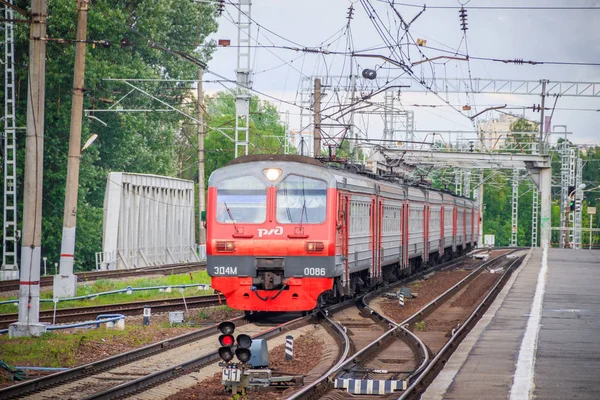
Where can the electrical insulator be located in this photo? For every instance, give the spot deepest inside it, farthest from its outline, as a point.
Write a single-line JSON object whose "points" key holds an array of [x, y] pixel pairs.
{"points": [[221, 7], [463, 18], [350, 12]]}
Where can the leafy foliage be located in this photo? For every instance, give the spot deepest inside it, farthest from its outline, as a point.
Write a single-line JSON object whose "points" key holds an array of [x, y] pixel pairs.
{"points": [[131, 142]]}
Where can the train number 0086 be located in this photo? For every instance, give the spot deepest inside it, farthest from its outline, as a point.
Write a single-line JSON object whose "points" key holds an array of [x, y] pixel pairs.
{"points": [[314, 271]]}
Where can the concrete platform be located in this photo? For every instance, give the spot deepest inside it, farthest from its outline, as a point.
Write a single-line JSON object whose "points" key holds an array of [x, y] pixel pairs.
{"points": [[540, 339]]}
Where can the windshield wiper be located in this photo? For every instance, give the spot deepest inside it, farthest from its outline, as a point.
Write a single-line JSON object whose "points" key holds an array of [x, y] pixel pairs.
{"points": [[230, 216]]}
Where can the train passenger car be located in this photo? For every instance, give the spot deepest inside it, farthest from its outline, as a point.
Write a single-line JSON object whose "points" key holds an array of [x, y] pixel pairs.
{"points": [[286, 232]]}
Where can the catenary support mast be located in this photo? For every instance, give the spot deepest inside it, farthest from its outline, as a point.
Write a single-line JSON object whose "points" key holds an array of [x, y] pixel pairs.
{"points": [[65, 283], [31, 243]]}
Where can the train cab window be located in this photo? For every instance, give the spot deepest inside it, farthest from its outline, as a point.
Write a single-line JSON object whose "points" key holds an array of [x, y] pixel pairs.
{"points": [[301, 200], [246, 199]]}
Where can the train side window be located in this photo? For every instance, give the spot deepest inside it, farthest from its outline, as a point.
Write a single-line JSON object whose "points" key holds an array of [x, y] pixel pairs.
{"points": [[301, 199], [246, 199]]}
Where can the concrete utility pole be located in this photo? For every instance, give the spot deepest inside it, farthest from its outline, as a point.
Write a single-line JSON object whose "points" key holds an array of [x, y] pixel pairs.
{"points": [[543, 105], [28, 323], [201, 183], [10, 233], [317, 119], [65, 283]]}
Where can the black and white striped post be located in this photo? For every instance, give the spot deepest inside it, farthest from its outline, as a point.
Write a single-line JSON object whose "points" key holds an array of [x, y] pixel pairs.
{"points": [[401, 299], [289, 348], [147, 313]]}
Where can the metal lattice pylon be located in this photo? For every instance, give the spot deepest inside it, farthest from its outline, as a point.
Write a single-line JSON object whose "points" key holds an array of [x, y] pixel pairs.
{"points": [[458, 181], [515, 208], [244, 80], [10, 264], [578, 203], [564, 193], [467, 184]]}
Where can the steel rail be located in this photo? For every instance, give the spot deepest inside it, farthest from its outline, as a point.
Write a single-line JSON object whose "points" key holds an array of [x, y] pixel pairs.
{"points": [[310, 391], [136, 385], [77, 314], [451, 344], [169, 269], [110, 362]]}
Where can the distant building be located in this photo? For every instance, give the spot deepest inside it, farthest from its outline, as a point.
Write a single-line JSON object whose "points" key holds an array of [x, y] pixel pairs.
{"points": [[494, 130]]}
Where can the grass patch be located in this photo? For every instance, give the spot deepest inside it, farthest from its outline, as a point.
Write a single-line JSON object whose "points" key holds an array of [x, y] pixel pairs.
{"points": [[105, 285], [420, 326], [58, 350]]}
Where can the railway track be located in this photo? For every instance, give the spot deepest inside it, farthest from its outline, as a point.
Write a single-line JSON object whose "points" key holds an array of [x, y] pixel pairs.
{"points": [[136, 379], [399, 354], [13, 284], [134, 308], [132, 373]]}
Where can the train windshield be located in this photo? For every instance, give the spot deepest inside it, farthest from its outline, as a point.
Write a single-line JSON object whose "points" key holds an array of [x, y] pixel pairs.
{"points": [[241, 200], [301, 200]]}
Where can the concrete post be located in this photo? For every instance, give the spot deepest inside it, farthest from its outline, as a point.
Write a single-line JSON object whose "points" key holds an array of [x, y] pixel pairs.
{"points": [[65, 283], [546, 206], [201, 183], [317, 119], [31, 242]]}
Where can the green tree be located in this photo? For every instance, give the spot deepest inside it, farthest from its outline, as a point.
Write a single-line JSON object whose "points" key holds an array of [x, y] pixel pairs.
{"points": [[130, 142]]}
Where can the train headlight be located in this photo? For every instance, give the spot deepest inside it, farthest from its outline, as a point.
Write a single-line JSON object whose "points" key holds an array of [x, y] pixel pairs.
{"points": [[272, 174], [226, 247], [314, 247]]}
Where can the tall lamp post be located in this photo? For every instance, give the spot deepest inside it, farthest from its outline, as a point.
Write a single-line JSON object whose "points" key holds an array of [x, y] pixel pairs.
{"points": [[581, 186]]}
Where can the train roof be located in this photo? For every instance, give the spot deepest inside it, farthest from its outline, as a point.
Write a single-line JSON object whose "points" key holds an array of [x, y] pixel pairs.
{"points": [[340, 178]]}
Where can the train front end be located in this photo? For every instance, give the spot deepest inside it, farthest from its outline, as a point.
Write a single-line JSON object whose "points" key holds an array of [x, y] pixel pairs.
{"points": [[271, 232]]}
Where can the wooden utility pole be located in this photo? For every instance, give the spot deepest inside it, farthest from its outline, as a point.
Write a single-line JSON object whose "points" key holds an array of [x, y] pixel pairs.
{"points": [[317, 119], [201, 183], [65, 283], [31, 241]]}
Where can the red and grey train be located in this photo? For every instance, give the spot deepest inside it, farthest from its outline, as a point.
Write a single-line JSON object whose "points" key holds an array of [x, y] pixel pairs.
{"points": [[285, 232]]}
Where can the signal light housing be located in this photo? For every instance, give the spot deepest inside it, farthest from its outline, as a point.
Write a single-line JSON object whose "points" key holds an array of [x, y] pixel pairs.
{"points": [[243, 355], [314, 247], [226, 354], [226, 247], [244, 341], [226, 340]]}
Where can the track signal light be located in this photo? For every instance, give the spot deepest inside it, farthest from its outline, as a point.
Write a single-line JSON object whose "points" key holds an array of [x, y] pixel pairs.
{"points": [[226, 340]]}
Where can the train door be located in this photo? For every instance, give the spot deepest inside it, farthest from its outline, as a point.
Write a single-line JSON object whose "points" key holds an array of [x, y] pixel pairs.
{"points": [[442, 226], [464, 222], [454, 228], [405, 235], [373, 238], [426, 217], [379, 236], [343, 228]]}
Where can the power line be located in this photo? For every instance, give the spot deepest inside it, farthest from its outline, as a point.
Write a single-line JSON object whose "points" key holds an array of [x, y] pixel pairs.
{"points": [[516, 8]]}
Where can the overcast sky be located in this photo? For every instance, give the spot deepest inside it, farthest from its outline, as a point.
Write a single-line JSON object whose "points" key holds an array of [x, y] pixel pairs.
{"points": [[566, 36]]}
